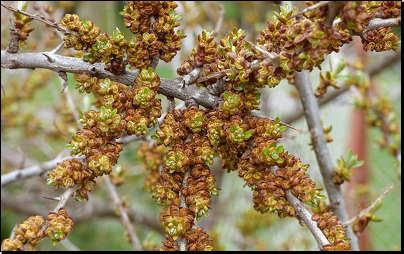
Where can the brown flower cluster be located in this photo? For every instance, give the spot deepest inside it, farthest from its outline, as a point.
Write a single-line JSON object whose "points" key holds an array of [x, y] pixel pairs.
{"points": [[334, 231], [59, 225], [29, 231], [154, 21]]}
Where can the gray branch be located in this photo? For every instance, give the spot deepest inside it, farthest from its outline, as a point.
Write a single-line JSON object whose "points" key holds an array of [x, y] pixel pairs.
{"points": [[311, 113]]}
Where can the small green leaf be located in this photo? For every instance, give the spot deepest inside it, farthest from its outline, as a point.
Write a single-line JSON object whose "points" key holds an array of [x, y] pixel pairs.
{"points": [[357, 164], [69, 146], [230, 44], [322, 196], [307, 174], [150, 70], [279, 149], [171, 12], [175, 222], [247, 135], [104, 111], [277, 120], [177, 157], [272, 145], [226, 95], [282, 128], [258, 96], [233, 128], [349, 156], [49, 181], [266, 152], [81, 113], [249, 53], [154, 137], [114, 112]]}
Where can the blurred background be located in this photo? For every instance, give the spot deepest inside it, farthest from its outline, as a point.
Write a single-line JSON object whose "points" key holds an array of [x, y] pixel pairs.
{"points": [[37, 122]]}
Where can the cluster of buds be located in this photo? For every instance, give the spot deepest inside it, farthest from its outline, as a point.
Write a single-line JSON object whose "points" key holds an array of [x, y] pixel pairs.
{"points": [[109, 50], [85, 83], [168, 245], [334, 231], [59, 225], [178, 221], [21, 26], [172, 131], [29, 231], [360, 224], [198, 240], [144, 109], [389, 9], [168, 187], [155, 23], [204, 53], [69, 173], [200, 187], [327, 79], [380, 40], [355, 16], [88, 32]]}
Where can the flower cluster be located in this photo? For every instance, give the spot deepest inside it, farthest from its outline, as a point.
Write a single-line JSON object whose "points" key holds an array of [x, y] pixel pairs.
{"points": [[200, 187], [334, 231], [198, 240], [178, 221], [21, 27], [155, 23], [204, 53], [29, 231], [59, 225], [88, 32], [380, 40], [145, 109]]}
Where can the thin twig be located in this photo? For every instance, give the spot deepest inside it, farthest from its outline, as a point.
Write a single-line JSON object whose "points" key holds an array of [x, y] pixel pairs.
{"points": [[124, 216], [220, 20], [312, 7], [346, 223], [42, 19]]}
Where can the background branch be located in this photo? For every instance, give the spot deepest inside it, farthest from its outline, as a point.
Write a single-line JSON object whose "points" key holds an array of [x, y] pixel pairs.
{"points": [[311, 113]]}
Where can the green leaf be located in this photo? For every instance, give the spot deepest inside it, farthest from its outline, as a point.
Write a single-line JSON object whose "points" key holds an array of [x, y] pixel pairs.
{"points": [[247, 135], [230, 44], [266, 152], [221, 51], [349, 156], [69, 146], [282, 128], [104, 110], [247, 46], [340, 66], [154, 137], [249, 53], [272, 145], [175, 222], [279, 149], [150, 70], [258, 96], [114, 112], [49, 181], [171, 12], [226, 95], [307, 174], [322, 196], [74, 138], [357, 164], [233, 128], [177, 157], [343, 77], [81, 113], [277, 120]]}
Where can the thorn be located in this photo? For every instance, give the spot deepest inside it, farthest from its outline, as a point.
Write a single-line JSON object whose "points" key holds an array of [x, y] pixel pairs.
{"points": [[54, 198]]}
